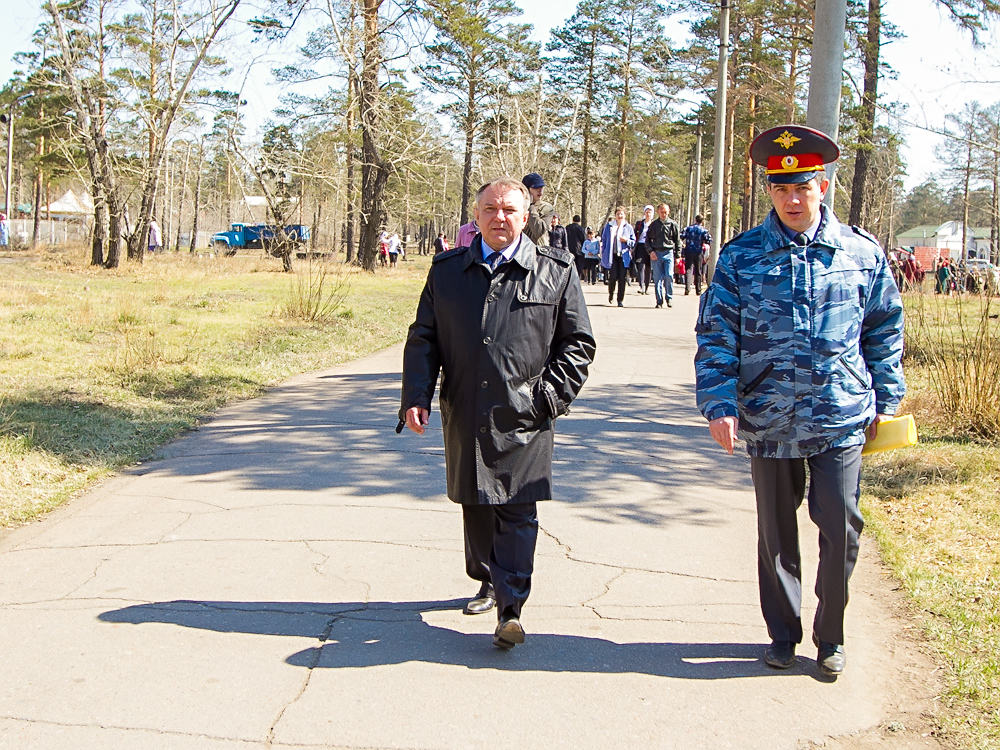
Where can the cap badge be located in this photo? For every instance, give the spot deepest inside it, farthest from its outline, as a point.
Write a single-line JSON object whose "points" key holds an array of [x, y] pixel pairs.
{"points": [[786, 140], [789, 162]]}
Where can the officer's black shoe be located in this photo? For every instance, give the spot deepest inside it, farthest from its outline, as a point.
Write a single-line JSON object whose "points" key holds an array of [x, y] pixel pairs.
{"points": [[830, 657], [780, 654], [485, 602], [669, 303], [508, 634]]}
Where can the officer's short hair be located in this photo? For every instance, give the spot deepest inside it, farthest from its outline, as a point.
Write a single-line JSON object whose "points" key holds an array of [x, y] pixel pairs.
{"points": [[506, 181]]}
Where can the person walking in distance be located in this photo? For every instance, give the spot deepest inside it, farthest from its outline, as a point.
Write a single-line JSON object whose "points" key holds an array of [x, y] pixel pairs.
{"points": [[591, 257], [640, 257], [800, 346], [557, 234], [504, 323], [155, 244], [575, 237], [617, 241], [541, 211], [663, 241], [695, 238]]}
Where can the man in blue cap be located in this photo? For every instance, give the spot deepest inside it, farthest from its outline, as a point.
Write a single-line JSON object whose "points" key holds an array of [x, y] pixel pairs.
{"points": [[540, 212], [800, 343]]}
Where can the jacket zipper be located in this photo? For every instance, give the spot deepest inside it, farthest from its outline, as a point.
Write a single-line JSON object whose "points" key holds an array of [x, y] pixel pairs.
{"points": [[853, 371], [752, 385]]}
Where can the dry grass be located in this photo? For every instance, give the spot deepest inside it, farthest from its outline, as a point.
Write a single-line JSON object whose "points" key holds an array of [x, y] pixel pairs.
{"points": [[98, 368], [934, 508]]}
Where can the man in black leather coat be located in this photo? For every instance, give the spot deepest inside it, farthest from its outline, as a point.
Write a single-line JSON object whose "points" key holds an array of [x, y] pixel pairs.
{"points": [[506, 324]]}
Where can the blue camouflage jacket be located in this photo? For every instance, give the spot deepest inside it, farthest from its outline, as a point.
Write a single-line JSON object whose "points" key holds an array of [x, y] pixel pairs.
{"points": [[803, 344]]}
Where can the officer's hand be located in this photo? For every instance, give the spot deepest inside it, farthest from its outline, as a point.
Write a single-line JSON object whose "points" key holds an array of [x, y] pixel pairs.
{"points": [[416, 418], [652, 255], [723, 431], [873, 427]]}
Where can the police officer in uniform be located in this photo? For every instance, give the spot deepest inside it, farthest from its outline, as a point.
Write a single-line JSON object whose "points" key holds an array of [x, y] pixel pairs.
{"points": [[800, 342]]}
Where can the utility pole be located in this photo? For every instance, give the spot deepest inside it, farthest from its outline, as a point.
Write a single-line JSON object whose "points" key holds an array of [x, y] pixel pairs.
{"points": [[826, 79], [696, 193], [719, 167]]}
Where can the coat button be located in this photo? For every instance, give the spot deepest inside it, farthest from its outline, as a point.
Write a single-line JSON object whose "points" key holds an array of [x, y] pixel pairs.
{"points": [[484, 384], [487, 340], [482, 430], [522, 297]]}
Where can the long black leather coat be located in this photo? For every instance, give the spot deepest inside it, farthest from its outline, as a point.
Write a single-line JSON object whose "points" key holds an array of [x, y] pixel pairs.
{"points": [[514, 348]]}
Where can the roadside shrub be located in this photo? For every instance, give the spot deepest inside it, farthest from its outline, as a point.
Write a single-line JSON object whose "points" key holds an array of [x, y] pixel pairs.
{"points": [[318, 290], [956, 341]]}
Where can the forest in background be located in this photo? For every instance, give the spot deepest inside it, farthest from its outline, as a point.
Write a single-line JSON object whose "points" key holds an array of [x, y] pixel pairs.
{"points": [[392, 112]]}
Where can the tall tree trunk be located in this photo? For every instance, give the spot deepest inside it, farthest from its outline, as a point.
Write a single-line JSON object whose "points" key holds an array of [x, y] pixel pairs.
{"points": [[180, 198], [860, 200], [747, 218], [352, 206], [196, 208], [588, 124], [470, 136], [100, 236], [36, 222], [374, 171]]}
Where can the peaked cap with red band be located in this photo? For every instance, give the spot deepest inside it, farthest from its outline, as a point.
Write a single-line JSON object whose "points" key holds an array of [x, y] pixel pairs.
{"points": [[793, 153]]}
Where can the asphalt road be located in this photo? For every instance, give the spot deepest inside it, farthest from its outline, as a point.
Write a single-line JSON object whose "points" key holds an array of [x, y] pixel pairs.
{"points": [[291, 575]]}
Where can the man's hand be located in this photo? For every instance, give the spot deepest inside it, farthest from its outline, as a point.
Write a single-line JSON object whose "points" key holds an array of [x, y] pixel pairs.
{"points": [[723, 431], [652, 255], [873, 427], [416, 418]]}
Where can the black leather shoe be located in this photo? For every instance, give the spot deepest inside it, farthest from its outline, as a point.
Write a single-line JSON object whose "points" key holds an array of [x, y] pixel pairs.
{"points": [[669, 303], [485, 602], [621, 304], [830, 657], [508, 634], [780, 654]]}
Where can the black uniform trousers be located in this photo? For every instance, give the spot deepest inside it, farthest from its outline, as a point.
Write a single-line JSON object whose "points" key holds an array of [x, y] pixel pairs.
{"points": [[834, 490], [500, 550]]}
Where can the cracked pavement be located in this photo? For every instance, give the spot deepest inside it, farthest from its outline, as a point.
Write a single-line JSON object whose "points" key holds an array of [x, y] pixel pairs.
{"points": [[291, 575]]}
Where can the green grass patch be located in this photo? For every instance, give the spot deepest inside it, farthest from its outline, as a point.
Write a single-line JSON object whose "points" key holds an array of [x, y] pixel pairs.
{"points": [[98, 368]]}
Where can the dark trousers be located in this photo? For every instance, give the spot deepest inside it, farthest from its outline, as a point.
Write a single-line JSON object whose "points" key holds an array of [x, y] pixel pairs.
{"points": [[692, 272], [643, 268], [500, 550], [780, 483], [616, 275], [590, 270]]}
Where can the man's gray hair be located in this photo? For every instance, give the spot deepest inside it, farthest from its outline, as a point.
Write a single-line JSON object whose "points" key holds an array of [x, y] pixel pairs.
{"points": [[506, 181]]}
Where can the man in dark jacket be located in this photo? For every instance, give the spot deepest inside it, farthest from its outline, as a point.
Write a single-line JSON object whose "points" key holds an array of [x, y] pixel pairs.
{"points": [[506, 324], [575, 237], [695, 238], [663, 243], [557, 234]]}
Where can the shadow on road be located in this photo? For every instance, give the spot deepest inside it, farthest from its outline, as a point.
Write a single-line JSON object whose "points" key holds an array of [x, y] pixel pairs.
{"points": [[647, 444], [368, 634]]}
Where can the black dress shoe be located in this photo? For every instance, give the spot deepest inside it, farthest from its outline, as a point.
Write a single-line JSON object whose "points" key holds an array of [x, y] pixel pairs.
{"points": [[830, 657], [780, 654], [621, 305], [508, 634], [485, 602], [669, 303]]}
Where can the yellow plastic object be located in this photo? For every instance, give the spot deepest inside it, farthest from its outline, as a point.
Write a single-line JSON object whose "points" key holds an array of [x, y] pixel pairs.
{"points": [[898, 432]]}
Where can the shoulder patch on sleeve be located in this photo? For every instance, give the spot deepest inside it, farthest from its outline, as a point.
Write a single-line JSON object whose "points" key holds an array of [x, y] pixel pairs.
{"points": [[453, 253], [862, 233], [557, 254]]}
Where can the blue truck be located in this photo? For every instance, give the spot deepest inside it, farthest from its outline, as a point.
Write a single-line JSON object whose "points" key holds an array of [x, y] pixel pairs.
{"points": [[257, 237]]}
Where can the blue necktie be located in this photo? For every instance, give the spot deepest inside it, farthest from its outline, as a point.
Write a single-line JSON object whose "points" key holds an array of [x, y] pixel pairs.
{"points": [[494, 259]]}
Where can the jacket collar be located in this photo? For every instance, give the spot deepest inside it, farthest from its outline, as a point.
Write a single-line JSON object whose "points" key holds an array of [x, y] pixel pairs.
{"points": [[828, 234], [525, 255]]}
